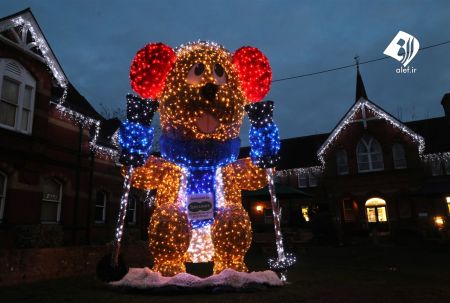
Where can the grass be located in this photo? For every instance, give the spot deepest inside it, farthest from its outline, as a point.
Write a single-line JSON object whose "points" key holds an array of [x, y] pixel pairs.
{"points": [[323, 274]]}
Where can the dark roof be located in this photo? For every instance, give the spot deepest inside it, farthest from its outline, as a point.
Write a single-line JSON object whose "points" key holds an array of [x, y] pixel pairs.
{"points": [[107, 130], [297, 152], [281, 190], [434, 187], [435, 131], [78, 103], [16, 14], [360, 88]]}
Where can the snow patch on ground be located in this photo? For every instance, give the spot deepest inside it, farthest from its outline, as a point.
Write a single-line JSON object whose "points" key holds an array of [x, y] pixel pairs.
{"points": [[144, 278]]}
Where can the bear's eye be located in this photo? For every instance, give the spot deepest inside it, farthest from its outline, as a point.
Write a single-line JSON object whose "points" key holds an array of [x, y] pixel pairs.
{"points": [[219, 74], [195, 73]]}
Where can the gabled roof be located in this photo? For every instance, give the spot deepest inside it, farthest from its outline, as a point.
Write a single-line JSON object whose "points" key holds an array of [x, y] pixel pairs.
{"points": [[361, 104], [22, 31]]}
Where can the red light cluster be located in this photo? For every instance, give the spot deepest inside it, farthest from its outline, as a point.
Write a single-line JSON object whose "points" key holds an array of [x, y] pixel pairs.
{"points": [[149, 69], [254, 72]]}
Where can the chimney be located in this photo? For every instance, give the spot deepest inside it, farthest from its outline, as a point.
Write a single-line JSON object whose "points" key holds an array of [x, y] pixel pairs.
{"points": [[446, 105]]}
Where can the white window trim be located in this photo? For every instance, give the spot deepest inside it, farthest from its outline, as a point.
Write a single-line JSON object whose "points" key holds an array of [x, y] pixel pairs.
{"points": [[3, 196], [58, 211], [368, 153], [133, 222], [26, 79], [105, 198], [396, 160]]}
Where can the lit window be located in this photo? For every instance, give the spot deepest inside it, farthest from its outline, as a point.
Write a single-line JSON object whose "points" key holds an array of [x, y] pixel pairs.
{"points": [[448, 203], [302, 180], [369, 155], [131, 212], [2, 194], [376, 210], [436, 167], [305, 213], [17, 90], [100, 207], [342, 162], [398, 154], [51, 201]]}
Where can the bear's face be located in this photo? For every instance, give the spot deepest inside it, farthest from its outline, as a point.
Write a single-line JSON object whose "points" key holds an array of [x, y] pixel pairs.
{"points": [[202, 98], [202, 88]]}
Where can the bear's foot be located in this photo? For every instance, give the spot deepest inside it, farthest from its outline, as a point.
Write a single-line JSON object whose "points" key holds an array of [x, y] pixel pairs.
{"points": [[169, 269], [235, 264]]}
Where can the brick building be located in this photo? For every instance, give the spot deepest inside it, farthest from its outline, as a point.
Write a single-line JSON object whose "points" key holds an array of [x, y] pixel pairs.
{"points": [[372, 172], [59, 182]]}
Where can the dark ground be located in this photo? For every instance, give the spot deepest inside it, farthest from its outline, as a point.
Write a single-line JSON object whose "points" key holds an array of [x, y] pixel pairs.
{"points": [[323, 274]]}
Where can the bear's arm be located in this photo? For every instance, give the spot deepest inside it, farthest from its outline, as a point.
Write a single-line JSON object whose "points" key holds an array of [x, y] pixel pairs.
{"points": [[150, 175], [247, 175]]}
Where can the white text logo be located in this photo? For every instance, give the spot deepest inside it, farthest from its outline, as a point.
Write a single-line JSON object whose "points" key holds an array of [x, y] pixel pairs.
{"points": [[403, 48]]}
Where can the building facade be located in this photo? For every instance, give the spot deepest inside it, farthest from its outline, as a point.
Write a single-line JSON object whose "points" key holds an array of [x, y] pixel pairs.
{"points": [[59, 181], [373, 174]]}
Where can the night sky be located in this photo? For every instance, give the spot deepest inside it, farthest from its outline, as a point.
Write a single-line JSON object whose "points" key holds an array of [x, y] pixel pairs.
{"points": [[95, 42]]}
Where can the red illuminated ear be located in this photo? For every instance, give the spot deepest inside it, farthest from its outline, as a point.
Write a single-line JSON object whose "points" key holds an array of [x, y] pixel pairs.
{"points": [[149, 69], [255, 74]]}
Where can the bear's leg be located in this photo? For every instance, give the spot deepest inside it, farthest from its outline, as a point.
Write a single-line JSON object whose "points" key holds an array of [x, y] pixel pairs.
{"points": [[232, 235], [169, 238]]}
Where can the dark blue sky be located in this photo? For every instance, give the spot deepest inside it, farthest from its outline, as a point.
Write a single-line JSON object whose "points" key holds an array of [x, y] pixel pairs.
{"points": [[95, 42]]}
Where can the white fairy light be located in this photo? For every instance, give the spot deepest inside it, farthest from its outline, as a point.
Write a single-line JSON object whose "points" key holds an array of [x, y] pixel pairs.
{"points": [[283, 260], [315, 170], [219, 188], [201, 247], [379, 113]]}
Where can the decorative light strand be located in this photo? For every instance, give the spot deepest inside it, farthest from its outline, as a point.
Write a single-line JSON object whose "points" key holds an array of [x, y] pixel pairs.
{"points": [[377, 111]]}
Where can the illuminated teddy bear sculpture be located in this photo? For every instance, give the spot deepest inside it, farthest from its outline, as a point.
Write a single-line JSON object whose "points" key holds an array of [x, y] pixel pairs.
{"points": [[203, 91]]}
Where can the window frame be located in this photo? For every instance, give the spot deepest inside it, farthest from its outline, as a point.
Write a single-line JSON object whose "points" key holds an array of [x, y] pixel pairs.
{"points": [[368, 146], [24, 80], [400, 149], [58, 202], [341, 154], [105, 200], [300, 177], [133, 222], [3, 195], [436, 167]]}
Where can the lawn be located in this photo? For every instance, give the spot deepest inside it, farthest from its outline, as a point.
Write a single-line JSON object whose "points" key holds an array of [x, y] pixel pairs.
{"points": [[323, 274]]}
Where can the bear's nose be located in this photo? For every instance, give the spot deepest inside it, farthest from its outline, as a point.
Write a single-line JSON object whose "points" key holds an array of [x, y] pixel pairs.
{"points": [[209, 91]]}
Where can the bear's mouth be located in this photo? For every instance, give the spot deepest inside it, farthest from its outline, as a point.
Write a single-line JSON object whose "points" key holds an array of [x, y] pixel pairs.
{"points": [[207, 123]]}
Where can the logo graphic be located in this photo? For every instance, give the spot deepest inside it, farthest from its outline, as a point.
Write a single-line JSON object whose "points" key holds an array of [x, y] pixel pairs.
{"points": [[403, 48]]}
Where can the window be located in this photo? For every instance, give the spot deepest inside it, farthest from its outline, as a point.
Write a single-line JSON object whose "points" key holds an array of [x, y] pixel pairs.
{"points": [[17, 90], [302, 180], [349, 210], [369, 155], [51, 201], [131, 212], [447, 165], [100, 207], [448, 203], [398, 154], [268, 216], [312, 179], [2, 194], [436, 167], [342, 162], [376, 210]]}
